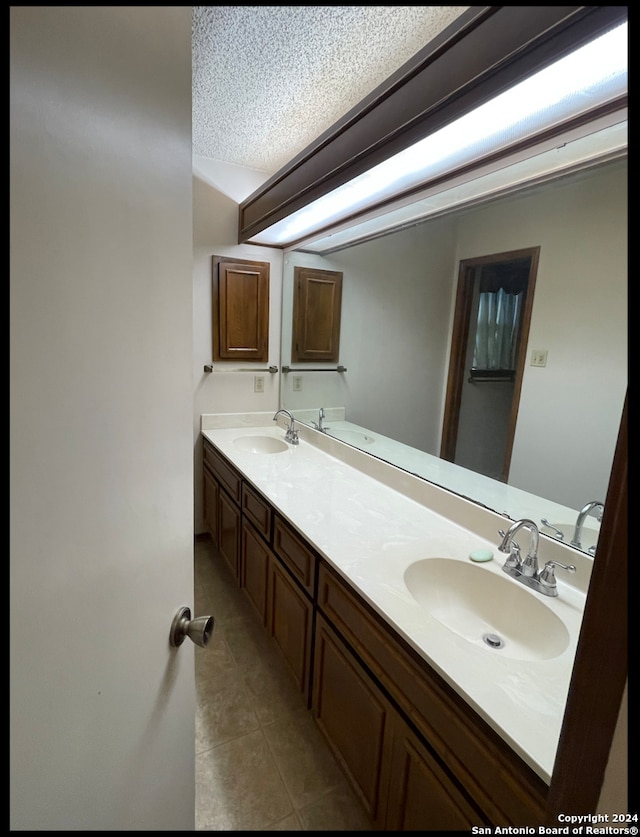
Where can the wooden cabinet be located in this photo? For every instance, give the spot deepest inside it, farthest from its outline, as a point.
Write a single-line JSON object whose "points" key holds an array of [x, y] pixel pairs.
{"points": [[211, 494], [414, 751], [273, 565], [222, 490], [422, 796], [229, 532], [354, 717], [257, 510], [317, 306], [254, 569], [401, 783], [296, 555], [502, 786], [240, 292], [290, 624]]}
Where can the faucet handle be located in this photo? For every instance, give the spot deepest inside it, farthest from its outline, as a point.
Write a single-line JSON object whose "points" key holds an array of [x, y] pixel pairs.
{"points": [[513, 560], [548, 577]]}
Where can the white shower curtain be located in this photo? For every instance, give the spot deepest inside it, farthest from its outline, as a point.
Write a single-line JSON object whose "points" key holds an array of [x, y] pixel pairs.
{"points": [[496, 330]]}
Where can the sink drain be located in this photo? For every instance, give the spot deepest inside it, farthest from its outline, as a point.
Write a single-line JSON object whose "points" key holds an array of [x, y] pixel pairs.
{"points": [[493, 640]]}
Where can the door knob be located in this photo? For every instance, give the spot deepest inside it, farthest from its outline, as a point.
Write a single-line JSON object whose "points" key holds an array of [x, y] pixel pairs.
{"points": [[198, 630]]}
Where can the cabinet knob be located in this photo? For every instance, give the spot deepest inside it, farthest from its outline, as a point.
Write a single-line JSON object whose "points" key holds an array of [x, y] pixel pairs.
{"points": [[198, 630]]}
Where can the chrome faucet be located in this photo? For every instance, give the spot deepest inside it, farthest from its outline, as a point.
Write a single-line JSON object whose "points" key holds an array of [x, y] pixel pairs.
{"points": [[594, 508], [319, 425], [291, 435], [528, 567], [526, 571]]}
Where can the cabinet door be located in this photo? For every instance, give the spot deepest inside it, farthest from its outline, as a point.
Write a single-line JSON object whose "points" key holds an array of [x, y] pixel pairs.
{"points": [[229, 532], [355, 718], [240, 309], [290, 623], [317, 305], [422, 797], [254, 568], [210, 505]]}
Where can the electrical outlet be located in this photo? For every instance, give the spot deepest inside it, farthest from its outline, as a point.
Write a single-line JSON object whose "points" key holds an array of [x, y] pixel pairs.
{"points": [[258, 383], [297, 383], [539, 357]]}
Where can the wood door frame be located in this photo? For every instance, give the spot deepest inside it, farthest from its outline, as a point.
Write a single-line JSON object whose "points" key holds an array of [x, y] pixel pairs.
{"points": [[460, 337]]}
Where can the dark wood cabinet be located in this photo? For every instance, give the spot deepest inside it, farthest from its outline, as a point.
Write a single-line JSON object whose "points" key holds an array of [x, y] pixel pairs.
{"points": [[290, 624], [222, 490], [296, 555], [355, 719], [422, 796], [254, 569], [414, 751], [240, 294], [502, 786], [211, 493], [317, 306], [229, 532]]}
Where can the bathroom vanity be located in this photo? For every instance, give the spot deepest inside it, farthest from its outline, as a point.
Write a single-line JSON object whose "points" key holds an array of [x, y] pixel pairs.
{"points": [[435, 728]]}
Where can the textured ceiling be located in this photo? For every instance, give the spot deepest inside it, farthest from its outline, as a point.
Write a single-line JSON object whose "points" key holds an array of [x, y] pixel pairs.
{"points": [[267, 80]]}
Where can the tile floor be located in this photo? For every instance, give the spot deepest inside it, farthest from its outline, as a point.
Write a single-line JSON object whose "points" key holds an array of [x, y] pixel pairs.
{"points": [[261, 762]]}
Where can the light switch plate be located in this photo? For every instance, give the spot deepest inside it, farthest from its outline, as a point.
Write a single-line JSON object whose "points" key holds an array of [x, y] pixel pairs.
{"points": [[539, 357]]}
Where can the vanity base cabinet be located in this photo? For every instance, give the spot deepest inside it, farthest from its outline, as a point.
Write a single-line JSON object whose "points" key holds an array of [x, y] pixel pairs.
{"points": [[484, 769], [211, 493], [422, 797], [400, 783], [414, 751], [254, 569], [222, 487], [229, 533], [290, 624], [354, 718]]}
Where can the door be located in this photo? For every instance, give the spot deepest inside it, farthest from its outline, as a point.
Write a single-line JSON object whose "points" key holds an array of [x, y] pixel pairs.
{"points": [[488, 344], [101, 434]]}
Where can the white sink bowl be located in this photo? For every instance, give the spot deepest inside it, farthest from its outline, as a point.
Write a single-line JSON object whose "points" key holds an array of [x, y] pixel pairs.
{"points": [[489, 609], [260, 444], [352, 437]]}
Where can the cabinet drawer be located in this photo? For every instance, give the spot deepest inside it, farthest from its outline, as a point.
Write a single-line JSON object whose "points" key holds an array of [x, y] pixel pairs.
{"points": [[508, 791], [295, 555], [225, 473], [256, 508]]}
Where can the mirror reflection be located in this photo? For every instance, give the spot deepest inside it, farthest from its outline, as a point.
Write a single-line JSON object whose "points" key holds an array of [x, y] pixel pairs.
{"points": [[398, 305]]}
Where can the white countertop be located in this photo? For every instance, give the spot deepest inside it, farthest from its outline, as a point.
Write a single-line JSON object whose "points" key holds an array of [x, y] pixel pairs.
{"points": [[370, 531], [494, 494]]}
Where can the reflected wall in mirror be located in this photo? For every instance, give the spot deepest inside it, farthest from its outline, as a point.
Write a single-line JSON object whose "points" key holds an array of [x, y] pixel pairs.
{"points": [[397, 314]]}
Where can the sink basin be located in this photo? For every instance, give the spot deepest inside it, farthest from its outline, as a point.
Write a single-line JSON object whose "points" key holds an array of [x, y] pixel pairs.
{"points": [[352, 437], [588, 538], [260, 444], [488, 609]]}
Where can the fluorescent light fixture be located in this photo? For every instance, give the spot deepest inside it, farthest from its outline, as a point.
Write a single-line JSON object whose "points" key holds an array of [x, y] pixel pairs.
{"points": [[573, 86], [573, 151]]}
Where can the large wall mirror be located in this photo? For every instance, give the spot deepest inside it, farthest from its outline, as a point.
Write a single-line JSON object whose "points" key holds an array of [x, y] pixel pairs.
{"points": [[398, 299]]}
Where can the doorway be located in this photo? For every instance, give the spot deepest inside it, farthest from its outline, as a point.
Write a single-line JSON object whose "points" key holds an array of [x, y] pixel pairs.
{"points": [[490, 331]]}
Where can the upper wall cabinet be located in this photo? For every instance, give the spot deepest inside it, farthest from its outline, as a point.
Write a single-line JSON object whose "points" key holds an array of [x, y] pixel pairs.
{"points": [[317, 303], [240, 309]]}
